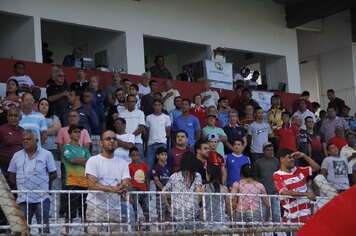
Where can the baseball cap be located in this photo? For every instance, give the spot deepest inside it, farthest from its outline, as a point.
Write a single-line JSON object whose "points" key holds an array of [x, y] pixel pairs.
{"points": [[212, 136], [267, 144], [73, 127]]}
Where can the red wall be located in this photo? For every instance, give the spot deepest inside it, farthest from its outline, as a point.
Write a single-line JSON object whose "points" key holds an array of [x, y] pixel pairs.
{"points": [[40, 73]]}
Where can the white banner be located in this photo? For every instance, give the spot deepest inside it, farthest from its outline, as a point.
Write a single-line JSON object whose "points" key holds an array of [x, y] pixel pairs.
{"points": [[220, 74]]}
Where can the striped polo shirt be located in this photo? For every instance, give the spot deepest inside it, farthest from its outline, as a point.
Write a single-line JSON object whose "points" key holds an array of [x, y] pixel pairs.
{"points": [[34, 121]]}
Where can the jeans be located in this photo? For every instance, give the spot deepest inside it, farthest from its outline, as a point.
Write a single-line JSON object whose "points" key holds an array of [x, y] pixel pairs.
{"points": [[275, 208], [151, 153], [140, 150], [40, 210]]}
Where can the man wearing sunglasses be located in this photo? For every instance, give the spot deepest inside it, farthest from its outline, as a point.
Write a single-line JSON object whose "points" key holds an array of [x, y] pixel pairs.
{"points": [[57, 93]]}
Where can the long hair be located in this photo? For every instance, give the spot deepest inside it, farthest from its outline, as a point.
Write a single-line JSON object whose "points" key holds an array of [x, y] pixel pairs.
{"points": [[17, 84], [188, 166], [215, 177], [50, 112]]}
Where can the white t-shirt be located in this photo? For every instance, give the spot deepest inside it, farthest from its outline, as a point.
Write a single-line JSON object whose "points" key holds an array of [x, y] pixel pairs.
{"points": [[169, 103], [108, 172], [259, 133], [346, 152], [237, 77], [133, 120], [121, 152], [157, 128], [144, 90], [23, 80], [213, 100], [337, 172]]}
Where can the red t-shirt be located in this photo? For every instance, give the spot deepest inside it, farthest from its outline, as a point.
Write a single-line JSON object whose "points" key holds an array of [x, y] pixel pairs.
{"points": [[338, 141], [138, 174], [288, 137], [10, 142], [215, 159]]}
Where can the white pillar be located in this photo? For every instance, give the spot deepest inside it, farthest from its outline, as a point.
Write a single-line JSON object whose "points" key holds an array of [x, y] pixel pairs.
{"points": [[135, 52], [37, 38]]}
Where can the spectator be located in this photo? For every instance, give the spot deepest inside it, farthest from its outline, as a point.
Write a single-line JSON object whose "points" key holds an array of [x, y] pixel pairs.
{"points": [[322, 117], [126, 83], [75, 158], [125, 141], [81, 84], [201, 150], [257, 135], [303, 140], [292, 181], [287, 134], [317, 144], [187, 180], [25, 82], [115, 110], [143, 86], [139, 182], [349, 152], [239, 77], [111, 175], [100, 103], [74, 60], [134, 91], [159, 69], [187, 75], [296, 103], [135, 122], [175, 153], [10, 139], [216, 205], [198, 109], [159, 129], [234, 162], [187, 122], [327, 128], [303, 112], [54, 71], [53, 126], [233, 131], [297, 121], [36, 92], [335, 102], [247, 117], [11, 98], [248, 207], [88, 98], [238, 96], [334, 168], [161, 176], [246, 100], [211, 110], [264, 170], [178, 108], [252, 83], [209, 97], [339, 138], [223, 110], [158, 96], [274, 117], [219, 132], [111, 89], [169, 96], [148, 99], [33, 168], [33, 120], [58, 93], [63, 135], [88, 117], [214, 157]]}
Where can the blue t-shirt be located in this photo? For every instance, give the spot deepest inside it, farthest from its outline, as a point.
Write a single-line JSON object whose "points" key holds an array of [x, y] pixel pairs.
{"points": [[190, 125], [233, 167], [223, 118]]}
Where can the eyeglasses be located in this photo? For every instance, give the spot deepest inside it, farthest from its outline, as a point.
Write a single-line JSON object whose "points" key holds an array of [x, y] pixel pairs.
{"points": [[110, 138]]}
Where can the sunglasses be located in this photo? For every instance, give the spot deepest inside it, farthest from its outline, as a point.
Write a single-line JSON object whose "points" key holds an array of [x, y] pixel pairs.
{"points": [[110, 138]]}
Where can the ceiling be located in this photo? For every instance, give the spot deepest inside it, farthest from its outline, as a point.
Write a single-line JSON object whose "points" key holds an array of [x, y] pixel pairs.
{"points": [[299, 12]]}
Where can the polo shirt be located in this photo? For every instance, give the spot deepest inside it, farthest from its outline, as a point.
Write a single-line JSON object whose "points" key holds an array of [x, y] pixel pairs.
{"points": [[288, 137], [32, 174], [34, 121]]}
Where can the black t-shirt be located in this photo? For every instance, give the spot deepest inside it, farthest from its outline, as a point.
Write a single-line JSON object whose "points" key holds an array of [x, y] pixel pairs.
{"points": [[59, 106]]}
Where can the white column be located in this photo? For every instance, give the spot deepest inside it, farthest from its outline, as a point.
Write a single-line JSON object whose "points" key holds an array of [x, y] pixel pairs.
{"points": [[37, 38], [135, 52]]}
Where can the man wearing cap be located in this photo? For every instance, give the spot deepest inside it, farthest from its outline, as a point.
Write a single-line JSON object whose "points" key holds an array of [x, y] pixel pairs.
{"points": [[264, 169], [211, 128], [75, 158]]}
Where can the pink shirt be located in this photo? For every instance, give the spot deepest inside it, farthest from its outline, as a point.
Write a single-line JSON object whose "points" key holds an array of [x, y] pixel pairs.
{"points": [[63, 136], [249, 203]]}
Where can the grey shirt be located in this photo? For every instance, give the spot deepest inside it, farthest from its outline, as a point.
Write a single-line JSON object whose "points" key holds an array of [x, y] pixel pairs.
{"points": [[264, 170], [337, 172]]}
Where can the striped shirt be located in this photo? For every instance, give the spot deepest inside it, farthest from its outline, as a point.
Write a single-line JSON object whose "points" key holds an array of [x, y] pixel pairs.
{"points": [[296, 209], [34, 121]]}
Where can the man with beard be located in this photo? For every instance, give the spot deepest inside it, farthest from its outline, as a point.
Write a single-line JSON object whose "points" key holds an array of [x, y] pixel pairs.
{"points": [[223, 111], [115, 110], [175, 153], [201, 149]]}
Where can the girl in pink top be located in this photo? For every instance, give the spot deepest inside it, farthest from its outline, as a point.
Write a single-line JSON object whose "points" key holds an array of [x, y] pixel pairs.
{"points": [[248, 208]]}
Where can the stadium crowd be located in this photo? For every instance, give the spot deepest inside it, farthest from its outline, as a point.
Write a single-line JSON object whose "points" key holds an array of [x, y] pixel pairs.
{"points": [[120, 139]]}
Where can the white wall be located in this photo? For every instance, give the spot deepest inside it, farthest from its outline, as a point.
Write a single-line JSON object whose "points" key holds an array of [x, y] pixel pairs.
{"points": [[16, 34], [251, 25], [332, 49]]}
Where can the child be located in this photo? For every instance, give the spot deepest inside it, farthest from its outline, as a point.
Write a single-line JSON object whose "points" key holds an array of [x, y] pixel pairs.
{"points": [[334, 168], [133, 89], [215, 205], [234, 162], [161, 175], [139, 182], [214, 157]]}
